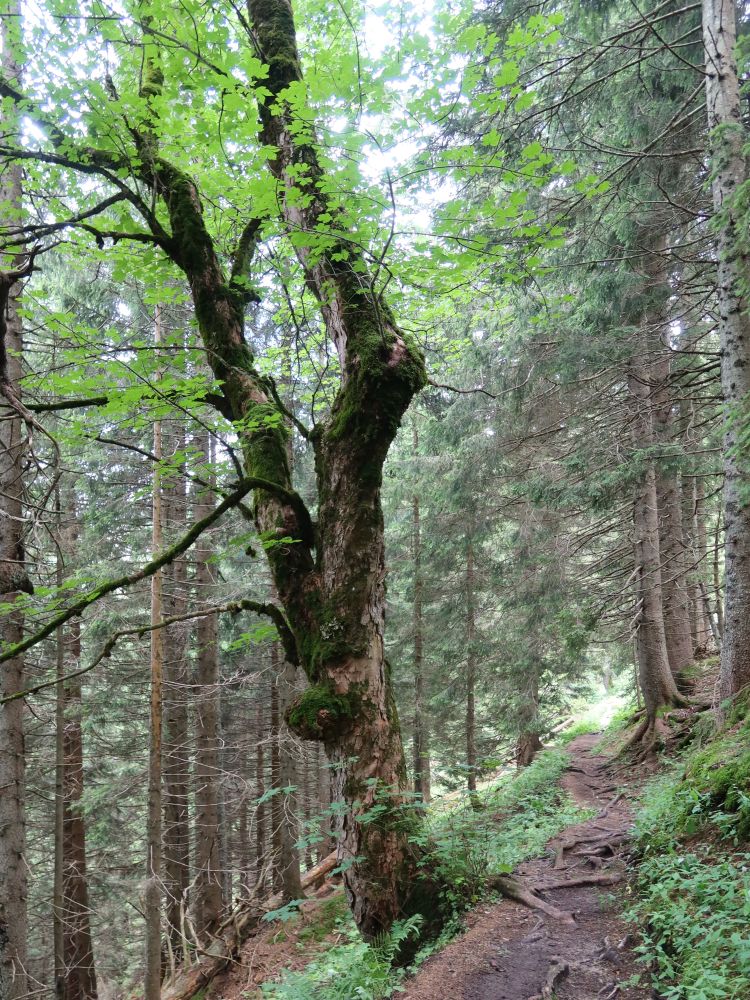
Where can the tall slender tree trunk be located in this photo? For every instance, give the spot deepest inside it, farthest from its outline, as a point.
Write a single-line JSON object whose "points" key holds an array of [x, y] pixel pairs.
{"points": [[79, 981], [529, 743], [654, 673], [421, 725], [76, 978], [277, 809], [324, 804], [471, 670], [13, 576], [176, 756], [729, 172], [656, 677], [717, 581], [208, 884], [288, 776], [57, 892], [153, 888], [261, 838]]}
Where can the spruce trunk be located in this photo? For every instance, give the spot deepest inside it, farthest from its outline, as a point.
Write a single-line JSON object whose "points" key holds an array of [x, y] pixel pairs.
{"points": [[13, 578], [729, 173]]}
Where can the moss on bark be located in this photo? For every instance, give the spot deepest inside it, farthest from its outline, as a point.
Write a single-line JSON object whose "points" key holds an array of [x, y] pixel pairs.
{"points": [[319, 713]]}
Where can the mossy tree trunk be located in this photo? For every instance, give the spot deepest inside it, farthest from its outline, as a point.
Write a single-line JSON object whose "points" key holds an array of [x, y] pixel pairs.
{"points": [[331, 582]]}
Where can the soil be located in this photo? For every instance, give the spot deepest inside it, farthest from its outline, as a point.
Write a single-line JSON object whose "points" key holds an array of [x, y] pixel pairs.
{"points": [[511, 952], [291, 945]]}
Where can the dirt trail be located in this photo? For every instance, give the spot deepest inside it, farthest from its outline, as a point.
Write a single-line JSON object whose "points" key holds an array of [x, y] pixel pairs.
{"points": [[510, 952]]}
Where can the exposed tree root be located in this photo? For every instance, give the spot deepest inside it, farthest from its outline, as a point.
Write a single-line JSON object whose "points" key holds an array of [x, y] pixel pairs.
{"points": [[597, 878], [511, 888], [606, 842], [555, 974], [610, 805]]}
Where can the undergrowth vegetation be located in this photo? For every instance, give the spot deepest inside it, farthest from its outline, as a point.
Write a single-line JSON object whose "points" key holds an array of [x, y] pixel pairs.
{"points": [[467, 839], [693, 905]]}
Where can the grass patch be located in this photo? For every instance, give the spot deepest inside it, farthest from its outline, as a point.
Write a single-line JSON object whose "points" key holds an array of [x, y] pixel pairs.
{"points": [[328, 918], [509, 821]]}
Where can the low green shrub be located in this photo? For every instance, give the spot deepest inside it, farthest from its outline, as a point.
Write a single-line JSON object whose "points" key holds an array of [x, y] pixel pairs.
{"points": [[350, 971], [693, 906], [693, 912], [508, 821]]}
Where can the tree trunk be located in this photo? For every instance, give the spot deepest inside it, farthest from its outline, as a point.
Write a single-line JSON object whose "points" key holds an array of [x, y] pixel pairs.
{"points": [[79, 982], [646, 373], [57, 892], [289, 861], [529, 743], [655, 675], [471, 672], [74, 955], [421, 725], [208, 897], [13, 578], [331, 580], [729, 172], [656, 394], [277, 811], [152, 894], [261, 839], [703, 624], [717, 581], [327, 843], [176, 757]]}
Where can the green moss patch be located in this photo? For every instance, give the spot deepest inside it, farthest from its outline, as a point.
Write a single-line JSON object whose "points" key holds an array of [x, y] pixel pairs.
{"points": [[319, 712]]}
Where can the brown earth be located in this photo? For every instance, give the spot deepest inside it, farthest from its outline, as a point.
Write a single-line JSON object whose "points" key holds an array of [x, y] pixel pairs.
{"points": [[511, 952], [290, 945]]}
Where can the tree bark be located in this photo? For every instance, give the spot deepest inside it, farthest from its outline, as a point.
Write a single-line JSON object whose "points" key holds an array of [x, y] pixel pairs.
{"points": [[79, 982], [654, 673], [729, 172], [208, 896], [74, 961], [289, 860], [656, 678], [529, 743], [261, 839], [421, 724], [276, 812], [176, 757], [153, 892], [13, 577], [471, 671]]}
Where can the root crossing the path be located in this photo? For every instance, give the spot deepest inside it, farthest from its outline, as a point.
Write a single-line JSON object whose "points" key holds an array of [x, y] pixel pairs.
{"points": [[559, 932]]}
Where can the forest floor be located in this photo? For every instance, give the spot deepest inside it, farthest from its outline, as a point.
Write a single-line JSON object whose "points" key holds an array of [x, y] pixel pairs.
{"points": [[510, 952], [290, 945]]}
